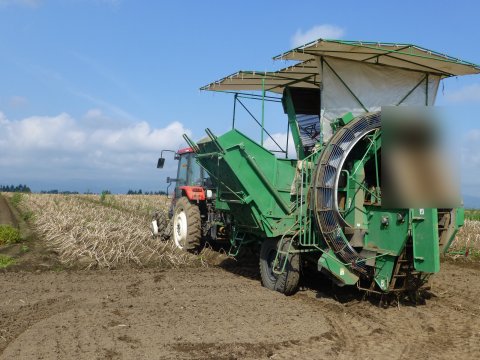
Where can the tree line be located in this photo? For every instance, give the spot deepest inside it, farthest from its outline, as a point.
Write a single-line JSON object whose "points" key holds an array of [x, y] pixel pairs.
{"points": [[25, 189], [139, 192], [19, 188]]}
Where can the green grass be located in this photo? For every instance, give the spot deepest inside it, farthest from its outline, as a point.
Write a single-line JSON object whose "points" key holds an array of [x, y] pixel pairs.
{"points": [[6, 261], [472, 214], [474, 254], [28, 215], [16, 199], [9, 235]]}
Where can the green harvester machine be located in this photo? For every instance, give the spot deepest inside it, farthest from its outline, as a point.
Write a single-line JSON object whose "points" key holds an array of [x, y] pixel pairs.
{"points": [[324, 207]]}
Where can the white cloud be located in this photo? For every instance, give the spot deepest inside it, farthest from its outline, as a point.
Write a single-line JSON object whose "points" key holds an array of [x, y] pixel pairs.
{"points": [[324, 31], [18, 101], [62, 147], [466, 94], [95, 118], [94, 113], [40, 133], [281, 139], [474, 136], [138, 137], [114, 109]]}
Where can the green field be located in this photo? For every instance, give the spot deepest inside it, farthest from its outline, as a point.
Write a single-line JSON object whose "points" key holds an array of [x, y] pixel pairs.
{"points": [[472, 214]]}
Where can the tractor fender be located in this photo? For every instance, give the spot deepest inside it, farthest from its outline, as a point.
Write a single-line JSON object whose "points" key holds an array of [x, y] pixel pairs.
{"points": [[193, 192]]}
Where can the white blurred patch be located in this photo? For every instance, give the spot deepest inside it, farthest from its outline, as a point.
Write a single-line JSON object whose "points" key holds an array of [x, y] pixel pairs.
{"points": [[419, 159]]}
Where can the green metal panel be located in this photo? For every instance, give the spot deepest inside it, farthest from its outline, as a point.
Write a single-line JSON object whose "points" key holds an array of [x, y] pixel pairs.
{"points": [[355, 214], [347, 118], [292, 120], [426, 251], [386, 237], [330, 263], [252, 183], [383, 271], [459, 217], [256, 189]]}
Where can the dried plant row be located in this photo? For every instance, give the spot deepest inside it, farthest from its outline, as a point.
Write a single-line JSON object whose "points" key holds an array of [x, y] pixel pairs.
{"points": [[103, 233], [467, 240], [91, 231], [139, 204]]}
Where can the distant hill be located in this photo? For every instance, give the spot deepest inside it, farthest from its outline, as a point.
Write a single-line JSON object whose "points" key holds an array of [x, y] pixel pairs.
{"points": [[471, 202]]}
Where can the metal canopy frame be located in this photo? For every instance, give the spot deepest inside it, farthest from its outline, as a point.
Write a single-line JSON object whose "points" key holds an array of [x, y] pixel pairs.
{"points": [[312, 58], [237, 96], [423, 80], [304, 74], [376, 50], [275, 81]]}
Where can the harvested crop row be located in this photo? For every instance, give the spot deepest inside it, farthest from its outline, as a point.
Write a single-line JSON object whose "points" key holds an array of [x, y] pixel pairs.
{"points": [[95, 235], [142, 205], [468, 239]]}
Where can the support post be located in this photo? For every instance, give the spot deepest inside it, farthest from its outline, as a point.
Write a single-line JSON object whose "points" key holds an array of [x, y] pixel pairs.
{"points": [[234, 109], [426, 90], [288, 133], [320, 86], [263, 110], [292, 120]]}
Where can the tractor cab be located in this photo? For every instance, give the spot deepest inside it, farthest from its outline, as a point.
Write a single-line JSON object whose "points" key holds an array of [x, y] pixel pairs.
{"points": [[191, 179]]}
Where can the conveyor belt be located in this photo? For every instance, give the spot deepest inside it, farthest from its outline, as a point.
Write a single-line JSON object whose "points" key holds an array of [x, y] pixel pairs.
{"points": [[325, 188]]}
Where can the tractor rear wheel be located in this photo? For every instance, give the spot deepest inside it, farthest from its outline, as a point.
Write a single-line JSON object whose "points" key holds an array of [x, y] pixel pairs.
{"points": [[187, 231], [286, 282]]}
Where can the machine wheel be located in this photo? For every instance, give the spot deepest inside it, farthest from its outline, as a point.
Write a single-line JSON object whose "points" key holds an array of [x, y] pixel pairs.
{"points": [[286, 283], [187, 231], [167, 232], [161, 226]]}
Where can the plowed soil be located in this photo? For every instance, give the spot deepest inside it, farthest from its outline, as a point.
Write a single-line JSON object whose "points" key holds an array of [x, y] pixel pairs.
{"points": [[6, 215], [215, 313], [222, 312]]}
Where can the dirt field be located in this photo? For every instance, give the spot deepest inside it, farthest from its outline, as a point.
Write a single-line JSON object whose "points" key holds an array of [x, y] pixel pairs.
{"points": [[6, 216], [49, 312], [216, 314]]}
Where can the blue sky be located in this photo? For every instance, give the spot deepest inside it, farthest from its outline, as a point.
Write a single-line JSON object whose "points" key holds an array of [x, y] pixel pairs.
{"points": [[92, 90]]}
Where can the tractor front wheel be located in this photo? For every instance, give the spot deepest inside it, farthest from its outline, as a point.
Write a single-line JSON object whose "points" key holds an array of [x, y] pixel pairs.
{"points": [[286, 282], [187, 231]]}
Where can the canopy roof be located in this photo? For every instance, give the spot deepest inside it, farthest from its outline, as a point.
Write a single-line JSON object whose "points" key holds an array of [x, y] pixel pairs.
{"points": [[306, 73]]}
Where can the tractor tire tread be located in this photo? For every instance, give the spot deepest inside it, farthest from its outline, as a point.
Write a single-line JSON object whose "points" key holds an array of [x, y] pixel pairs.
{"points": [[194, 224], [286, 283]]}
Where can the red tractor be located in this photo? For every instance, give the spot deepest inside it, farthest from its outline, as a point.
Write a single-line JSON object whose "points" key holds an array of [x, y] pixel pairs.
{"points": [[192, 214]]}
